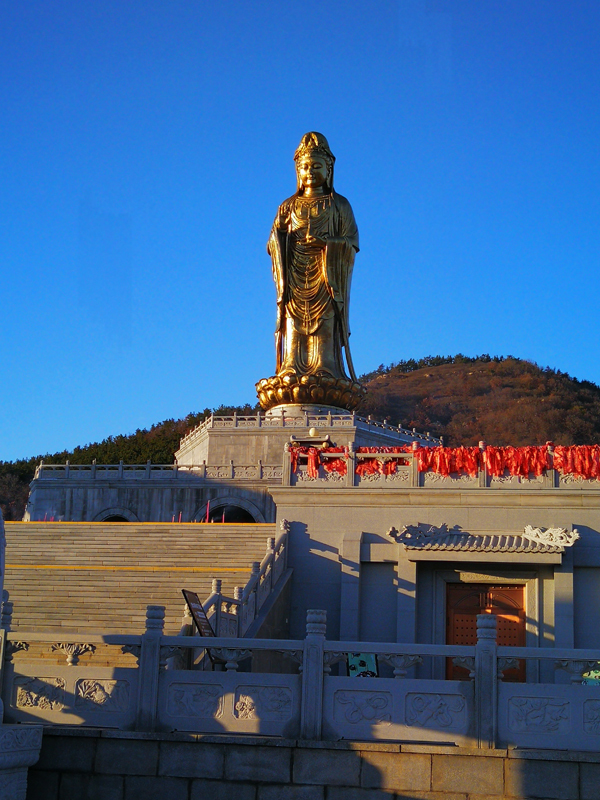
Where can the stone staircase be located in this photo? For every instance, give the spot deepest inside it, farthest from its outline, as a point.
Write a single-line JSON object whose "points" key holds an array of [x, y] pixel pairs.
{"points": [[99, 577]]}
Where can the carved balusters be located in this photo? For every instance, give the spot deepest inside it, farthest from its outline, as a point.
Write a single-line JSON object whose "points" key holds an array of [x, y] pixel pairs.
{"points": [[466, 662], [576, 669], [505, 664], [11, 647], [230, 656], [72, 650], [400, 663]]}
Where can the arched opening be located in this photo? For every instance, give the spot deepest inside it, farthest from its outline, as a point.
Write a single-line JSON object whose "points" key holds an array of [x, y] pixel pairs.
{"points": [[230, 513], [115, 514]]}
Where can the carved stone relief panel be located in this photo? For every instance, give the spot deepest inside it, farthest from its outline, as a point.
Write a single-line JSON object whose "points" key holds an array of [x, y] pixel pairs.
{"points": [[591, 717], [107, 696], [539, 715], [270, 472], [13, 738], [47, 694], [192, 700], [218, 473], [434, 478], [247, 472], [267, 703], [362, 706], [447, 711]]}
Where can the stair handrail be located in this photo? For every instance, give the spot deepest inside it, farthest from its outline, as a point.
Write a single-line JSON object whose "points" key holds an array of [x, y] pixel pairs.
{"points": [[239, 612]]}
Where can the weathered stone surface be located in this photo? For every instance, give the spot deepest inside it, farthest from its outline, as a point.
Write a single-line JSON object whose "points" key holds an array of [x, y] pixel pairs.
{"points": [[138, 788], [589, 781], [432, 796], [551, 780], [258, 764], [222, 790], [191, 760], [396, 771], [331, 768], [291, 792], [67, 755], [42, 785], [126, 757], [355, 793], [467, 774], [92, 787]]}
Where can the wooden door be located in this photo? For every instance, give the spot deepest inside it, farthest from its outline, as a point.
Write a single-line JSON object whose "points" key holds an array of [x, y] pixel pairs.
{"points": [[464, 601]]}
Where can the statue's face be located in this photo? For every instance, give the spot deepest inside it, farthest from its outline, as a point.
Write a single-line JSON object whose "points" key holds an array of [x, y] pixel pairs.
{"points": [[312, 171]]}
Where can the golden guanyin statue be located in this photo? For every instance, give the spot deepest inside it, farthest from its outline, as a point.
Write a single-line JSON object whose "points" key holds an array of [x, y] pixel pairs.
{"points": [[312, 246]]}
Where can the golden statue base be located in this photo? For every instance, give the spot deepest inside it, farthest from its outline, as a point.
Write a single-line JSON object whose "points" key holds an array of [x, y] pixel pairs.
{"points": [[309, 389]]}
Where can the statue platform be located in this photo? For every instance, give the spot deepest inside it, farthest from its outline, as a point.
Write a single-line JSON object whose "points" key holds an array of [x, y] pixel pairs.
{"points": [[262, 437]]}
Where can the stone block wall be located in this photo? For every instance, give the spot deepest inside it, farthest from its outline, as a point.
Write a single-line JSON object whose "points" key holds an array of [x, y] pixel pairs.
{"points": [[113, 765]]}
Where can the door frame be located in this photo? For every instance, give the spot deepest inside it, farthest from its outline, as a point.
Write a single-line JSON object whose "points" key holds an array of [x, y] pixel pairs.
{"points": [[530, 579]]}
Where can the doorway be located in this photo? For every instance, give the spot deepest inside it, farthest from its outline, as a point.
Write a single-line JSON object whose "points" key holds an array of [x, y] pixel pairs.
{"points": [[465, 601]]}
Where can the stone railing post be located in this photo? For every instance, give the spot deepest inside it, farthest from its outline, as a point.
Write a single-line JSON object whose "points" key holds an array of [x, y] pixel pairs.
{"points": [[237, 595], [286, 475], [414, 466], [350, 464], [270, 555], [147, 702], [311, 715], [216, 590], [486, 681], [482, 471]]}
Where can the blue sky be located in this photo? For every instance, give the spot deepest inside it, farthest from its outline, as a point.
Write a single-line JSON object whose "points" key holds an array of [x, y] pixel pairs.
{"points": [[146, 144]]}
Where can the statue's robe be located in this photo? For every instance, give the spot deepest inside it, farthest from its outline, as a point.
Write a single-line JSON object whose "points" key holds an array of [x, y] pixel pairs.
{"points": [[313, 285]]}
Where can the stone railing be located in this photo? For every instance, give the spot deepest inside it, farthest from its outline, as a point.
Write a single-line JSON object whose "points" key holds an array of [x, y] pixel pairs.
{"points": [[149, 471], [405, 475], [307, 700], [320, 421], [233, 616]]}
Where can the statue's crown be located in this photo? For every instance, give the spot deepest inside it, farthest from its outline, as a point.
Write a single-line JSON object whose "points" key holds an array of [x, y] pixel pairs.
{"points": [[314, 142]]}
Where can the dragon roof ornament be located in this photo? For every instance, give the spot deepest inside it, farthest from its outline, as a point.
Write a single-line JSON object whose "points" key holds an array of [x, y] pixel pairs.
{"points": [[432, 537]]}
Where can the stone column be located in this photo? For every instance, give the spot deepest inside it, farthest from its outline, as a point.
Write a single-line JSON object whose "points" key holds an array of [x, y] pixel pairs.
{"points": [[147, 704], [312, 675], [486, 681]]}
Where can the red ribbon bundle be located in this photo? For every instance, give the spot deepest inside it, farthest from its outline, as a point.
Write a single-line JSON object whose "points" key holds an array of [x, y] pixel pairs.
{"points": [[371, 466], [335, 464], [582, 460]]}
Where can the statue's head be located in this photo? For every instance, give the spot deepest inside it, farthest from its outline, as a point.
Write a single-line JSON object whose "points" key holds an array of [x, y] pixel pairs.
{"points": [[314, 146]]}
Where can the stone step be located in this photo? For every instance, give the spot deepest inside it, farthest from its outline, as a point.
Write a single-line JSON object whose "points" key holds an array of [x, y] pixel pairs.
{"points": [[112, 571]]}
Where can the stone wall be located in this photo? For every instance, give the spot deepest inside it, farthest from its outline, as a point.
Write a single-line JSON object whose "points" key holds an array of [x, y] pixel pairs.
{"points": [[112, 765]]}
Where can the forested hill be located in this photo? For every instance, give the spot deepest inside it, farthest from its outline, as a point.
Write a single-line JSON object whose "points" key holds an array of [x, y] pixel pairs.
{"points": [[502, 400]]}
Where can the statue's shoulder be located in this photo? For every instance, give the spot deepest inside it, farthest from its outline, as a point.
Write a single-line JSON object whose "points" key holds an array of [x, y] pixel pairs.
{"points": [[286, 206], [341, 202]]}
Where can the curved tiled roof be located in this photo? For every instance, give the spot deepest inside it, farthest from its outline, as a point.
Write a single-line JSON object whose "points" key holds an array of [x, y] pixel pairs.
{"points": [[531, 540]]}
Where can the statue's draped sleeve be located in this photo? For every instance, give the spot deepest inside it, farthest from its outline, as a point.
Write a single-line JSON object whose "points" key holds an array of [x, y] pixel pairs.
{"points": [[338, 262], [276, 248]]}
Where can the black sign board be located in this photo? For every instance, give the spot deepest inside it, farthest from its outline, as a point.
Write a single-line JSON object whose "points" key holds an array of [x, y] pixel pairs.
{"points": [[198, 613]]}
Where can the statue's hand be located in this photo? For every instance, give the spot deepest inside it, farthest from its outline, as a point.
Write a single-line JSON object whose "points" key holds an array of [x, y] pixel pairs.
{"points": [[316, 240], [281, 222]]}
